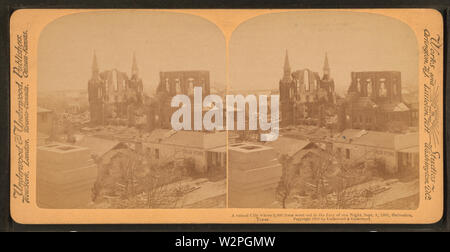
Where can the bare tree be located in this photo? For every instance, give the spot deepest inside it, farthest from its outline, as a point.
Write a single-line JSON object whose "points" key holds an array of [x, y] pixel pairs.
{"points": [[287, 181], [323, 173], [347, 176]]}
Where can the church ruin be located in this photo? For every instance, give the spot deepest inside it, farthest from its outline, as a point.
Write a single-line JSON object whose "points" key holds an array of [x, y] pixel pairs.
{"points": [[305, 96], [114, 97]]}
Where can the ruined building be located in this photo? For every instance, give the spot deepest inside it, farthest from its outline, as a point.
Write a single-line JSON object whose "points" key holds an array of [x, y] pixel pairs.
{"points": [[183, 82], [114, 97], [173, 83], [305, 97], [374, 102]]}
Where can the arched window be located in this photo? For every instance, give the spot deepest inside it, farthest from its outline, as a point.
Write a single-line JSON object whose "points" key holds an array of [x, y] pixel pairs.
{"points": [[358, 85], [383, 90], [369, 87], [177, 86], [115, 80], [306, 80], [190, 86]]}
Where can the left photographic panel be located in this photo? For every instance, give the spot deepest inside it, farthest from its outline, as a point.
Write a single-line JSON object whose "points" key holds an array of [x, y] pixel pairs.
{"points": [[105, 85]]}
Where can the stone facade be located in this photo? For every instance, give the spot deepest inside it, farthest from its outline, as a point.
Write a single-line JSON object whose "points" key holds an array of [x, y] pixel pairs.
{"points": [[114, 97], [305, 97], [174, 83], [374, 102], [183, 82]]}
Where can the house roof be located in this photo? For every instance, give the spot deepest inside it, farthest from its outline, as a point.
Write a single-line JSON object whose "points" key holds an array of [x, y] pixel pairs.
{"points": [[407, 142], [414, 149], [394, 107], [248, 147], [410, 98], [378, 139], [288, 146], [366, 102], [196, 139], [157, 135], [307, 152], [367, 138], [98, 146]]}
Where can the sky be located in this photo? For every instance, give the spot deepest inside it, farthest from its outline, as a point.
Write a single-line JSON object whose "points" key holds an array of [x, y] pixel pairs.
{"points": [[162, 42], [165, 41], [353, 41]]}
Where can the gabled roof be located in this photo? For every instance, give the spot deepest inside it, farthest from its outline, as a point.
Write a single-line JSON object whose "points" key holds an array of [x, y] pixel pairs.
{"points": [[196, 139], [365, 102], [378, 139], [306, 132], [410, 98], [99, 146], [300, 156], [394, 107], [367, 138], [289, 146], [407, 142]]}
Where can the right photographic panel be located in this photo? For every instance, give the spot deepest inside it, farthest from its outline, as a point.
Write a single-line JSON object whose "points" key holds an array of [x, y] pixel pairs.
{"points": [[337, 109]]}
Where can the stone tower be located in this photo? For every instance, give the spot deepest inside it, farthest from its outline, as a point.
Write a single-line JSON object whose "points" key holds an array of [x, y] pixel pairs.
{"points": [[95, 70], [286, 92], [286, 68], [326, 69], [135, 92], [96, 91], [134, 67]]}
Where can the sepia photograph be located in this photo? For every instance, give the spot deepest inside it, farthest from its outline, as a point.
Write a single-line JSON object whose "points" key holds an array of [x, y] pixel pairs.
{"points": [[105, 85], [249, 116], [348, 104]]}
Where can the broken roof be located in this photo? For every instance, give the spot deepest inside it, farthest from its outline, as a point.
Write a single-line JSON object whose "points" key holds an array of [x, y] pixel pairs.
{"points": [[365, 102], [306, 132], [410, 98], [394, 107], [407, 142], [378, 139], [289, 146], [367, 138], [98, 146], [196, 139]]}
